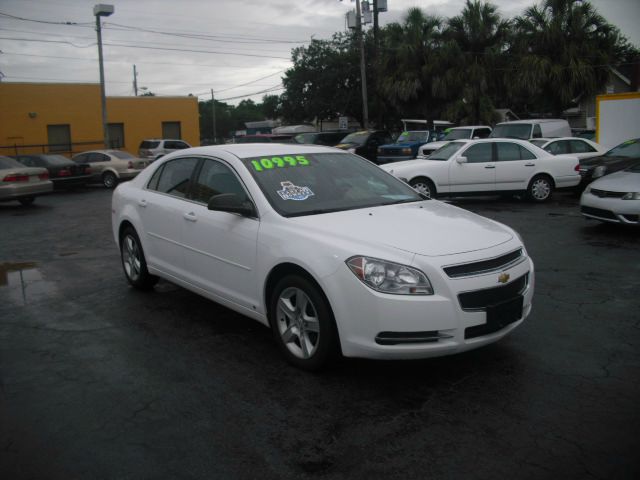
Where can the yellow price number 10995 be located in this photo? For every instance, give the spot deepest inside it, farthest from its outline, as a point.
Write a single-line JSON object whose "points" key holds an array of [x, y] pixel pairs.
{"points": [[279, 162]]}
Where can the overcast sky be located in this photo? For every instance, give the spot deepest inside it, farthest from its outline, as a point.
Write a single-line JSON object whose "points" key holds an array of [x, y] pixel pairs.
{"points": [[181, 47]]}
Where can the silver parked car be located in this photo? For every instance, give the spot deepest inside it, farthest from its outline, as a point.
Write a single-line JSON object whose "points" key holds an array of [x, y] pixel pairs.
{"points": [[21, 183], [154, 148], [111, 166]]}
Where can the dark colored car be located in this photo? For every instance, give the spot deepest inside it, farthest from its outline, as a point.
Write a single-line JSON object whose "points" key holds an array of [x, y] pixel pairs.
{"points": [[623, 156], [329, 139], [365, 143], [405, 147], [63, 172]]}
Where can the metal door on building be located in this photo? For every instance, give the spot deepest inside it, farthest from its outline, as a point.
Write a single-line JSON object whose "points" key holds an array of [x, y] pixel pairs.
{"points": [[171, 130], [116, 135]]}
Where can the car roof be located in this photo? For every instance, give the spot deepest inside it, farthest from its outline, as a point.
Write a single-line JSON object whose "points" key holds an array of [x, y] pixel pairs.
{"points": [[248, 150], [532, 120], [462, 127]]}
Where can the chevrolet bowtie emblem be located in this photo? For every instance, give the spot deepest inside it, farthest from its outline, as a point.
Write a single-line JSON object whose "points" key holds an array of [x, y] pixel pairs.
{"points": [[504, 278]]}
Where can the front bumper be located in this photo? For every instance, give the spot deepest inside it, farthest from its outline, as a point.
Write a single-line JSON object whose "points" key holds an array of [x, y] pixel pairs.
{"points": [[384, 326], [613, 210], [68, 182]]}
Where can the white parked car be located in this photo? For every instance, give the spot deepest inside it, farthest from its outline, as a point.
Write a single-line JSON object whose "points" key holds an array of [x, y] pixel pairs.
{"points": [[457, 133], [577, 147], [472, 167], [614, 198], [331, 252]]}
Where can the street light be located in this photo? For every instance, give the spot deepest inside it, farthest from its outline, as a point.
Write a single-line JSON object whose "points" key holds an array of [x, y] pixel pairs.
{"points": [[102, 10]]}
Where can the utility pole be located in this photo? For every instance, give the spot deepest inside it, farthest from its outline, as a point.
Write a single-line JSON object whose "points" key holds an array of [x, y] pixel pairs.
{"points": [[213, 116], [135, 81], [363, 71], [102, 10]]}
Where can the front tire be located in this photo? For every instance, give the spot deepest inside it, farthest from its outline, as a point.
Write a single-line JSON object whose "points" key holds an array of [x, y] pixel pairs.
{"points": [[424, 186], [540, 189], [109, 179], [134, 263], [303, 324]]}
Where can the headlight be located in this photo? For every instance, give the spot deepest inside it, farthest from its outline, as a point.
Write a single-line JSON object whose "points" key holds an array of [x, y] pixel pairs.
{"points": [[599, 171], [351, 150], [389, 277], [631, 196], [406, 151]]}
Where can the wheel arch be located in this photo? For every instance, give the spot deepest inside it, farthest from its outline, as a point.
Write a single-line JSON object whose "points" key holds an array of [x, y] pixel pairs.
{"points": [[288, 268], [542, 173]]}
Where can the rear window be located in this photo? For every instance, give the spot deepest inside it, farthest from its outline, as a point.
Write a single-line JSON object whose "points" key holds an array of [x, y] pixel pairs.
{"points": [[517, 130], [56, 159], [148, 144]]}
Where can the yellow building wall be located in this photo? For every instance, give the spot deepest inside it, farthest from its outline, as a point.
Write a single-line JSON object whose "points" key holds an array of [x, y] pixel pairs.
{"points": [[27, 108], [143, 116]]}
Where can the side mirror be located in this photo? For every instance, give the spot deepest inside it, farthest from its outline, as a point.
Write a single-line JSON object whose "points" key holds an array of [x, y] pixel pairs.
{"points": [[230, 202], [461, 160]]}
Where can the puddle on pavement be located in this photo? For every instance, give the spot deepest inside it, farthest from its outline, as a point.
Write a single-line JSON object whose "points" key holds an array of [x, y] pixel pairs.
{"points": [[24, 282]]}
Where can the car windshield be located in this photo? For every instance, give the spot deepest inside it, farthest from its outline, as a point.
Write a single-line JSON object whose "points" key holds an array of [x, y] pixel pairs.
{"points": [[56, 159], [149, 144], [6, 162], [413, 136], [310, 184], [359, 138], [628, 149], [539, 143], [518, 130], [458, 134], [444, 153], [120, 154]]}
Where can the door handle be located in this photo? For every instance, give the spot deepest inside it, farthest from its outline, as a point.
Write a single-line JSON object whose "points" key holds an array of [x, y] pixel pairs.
{"points": [[190, 217], [490, 166], [529, 164], [142, 202]]}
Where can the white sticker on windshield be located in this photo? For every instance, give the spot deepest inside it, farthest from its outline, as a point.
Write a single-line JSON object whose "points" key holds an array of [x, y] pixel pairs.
{"points": [[292, 192]]}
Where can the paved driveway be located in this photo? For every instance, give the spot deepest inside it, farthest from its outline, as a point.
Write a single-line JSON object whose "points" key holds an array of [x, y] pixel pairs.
{"points": [[101, 381]]}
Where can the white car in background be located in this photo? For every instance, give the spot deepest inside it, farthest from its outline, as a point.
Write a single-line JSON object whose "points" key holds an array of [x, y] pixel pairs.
{"points": [[614, 198], [577, 147], [494, 165], [471, 132], [331, 252]]}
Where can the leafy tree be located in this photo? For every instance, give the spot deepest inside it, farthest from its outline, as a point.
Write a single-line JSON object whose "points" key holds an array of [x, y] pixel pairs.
{"points": [[271, 106], [476, 39], [409, 59], [562, 49], [324, 81]]}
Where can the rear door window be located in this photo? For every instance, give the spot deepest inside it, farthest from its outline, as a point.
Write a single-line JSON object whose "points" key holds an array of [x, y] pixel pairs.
{"points": [[578, 146], [509, 152]]}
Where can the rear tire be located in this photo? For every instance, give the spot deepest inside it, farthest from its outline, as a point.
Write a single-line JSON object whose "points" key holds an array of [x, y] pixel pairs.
{"points": [[134, 263], [302, 323], [540, 189], [424, 186], [109, 180]]}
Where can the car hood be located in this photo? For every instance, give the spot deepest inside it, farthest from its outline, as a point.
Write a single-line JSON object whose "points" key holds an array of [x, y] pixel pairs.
{"points": [[401, 145], [619, 182], [436, 145], [429, 228]]}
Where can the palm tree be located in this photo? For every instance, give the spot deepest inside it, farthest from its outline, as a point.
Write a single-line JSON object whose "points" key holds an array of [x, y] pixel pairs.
{"points": [[409, 59], [562, 50], [476, 39]]}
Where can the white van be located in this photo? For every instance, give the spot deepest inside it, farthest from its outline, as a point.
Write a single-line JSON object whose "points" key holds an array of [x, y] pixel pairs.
{"points": [[532, 128]]}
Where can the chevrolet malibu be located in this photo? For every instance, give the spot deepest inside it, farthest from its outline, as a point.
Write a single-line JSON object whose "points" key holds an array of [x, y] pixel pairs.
{"points": [[335, 255]]}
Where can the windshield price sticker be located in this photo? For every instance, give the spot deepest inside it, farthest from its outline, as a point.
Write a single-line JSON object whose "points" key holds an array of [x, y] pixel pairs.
{"points": [[279, 162]]}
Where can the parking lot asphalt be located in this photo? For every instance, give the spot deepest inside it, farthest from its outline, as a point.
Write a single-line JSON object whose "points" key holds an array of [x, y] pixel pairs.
{"points": [[101, 381]]}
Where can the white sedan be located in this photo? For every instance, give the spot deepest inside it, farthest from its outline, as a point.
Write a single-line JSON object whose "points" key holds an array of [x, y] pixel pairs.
{"points": [[614, 198], [577, 147], [496, 165], [331, 252]]}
